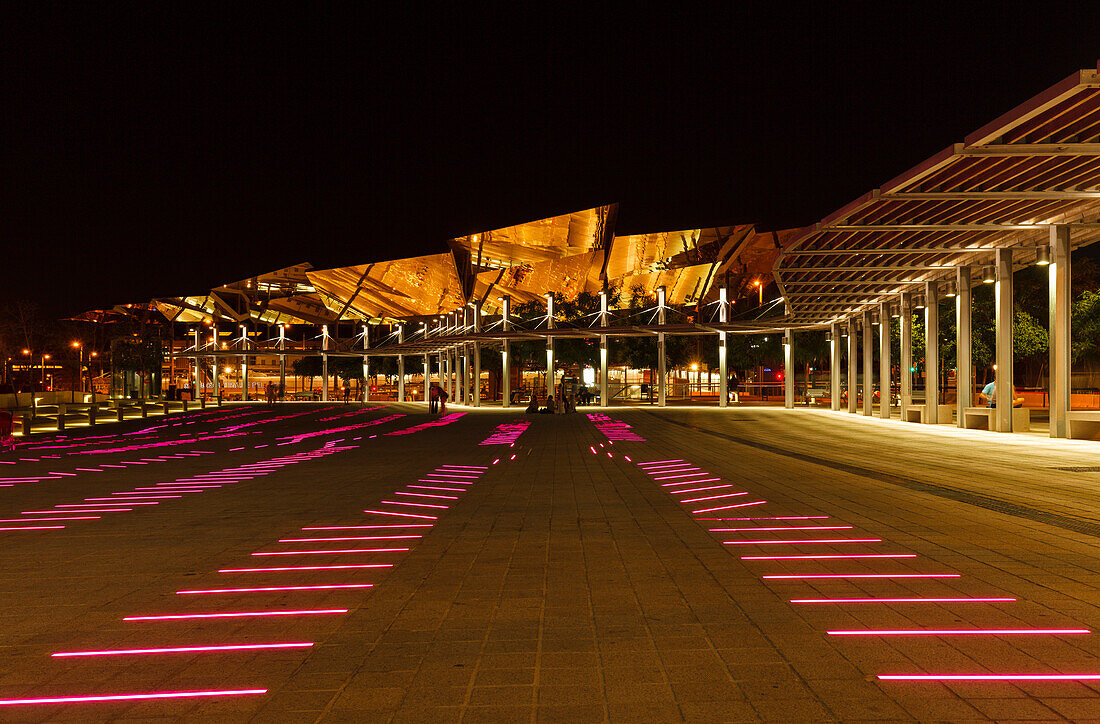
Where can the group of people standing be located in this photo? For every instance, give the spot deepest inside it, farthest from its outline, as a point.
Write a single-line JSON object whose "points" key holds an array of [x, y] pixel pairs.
{"points": [[437, 400]]}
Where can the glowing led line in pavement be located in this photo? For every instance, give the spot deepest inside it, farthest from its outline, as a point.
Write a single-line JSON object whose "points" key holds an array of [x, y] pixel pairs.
{"points": [[354, 537], [35, 527], [94, 505], [988, 677], [475, 467], [866, 575], [367, 527], [265, 589], [183, 649], [729, 507], [134, 496], [449, 482], [658, 462], [87, 510], [685, 475], [306, 568], [690, 482], [36, 520], [400, 515], [902, 600], [349, 550], [839, 555], [797, 527], [667, 468], [799, 542], [710, 497], [429, 495], [414, 505], [454, 475], [237, 614], [436, 487], [960, 632], [131, 697], [777, 517], [698, 490]]}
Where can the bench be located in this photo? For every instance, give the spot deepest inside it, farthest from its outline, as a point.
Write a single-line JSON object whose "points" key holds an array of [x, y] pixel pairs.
{"points": [[915, 413], [1083, 424], [985, 418], [816, 395]]}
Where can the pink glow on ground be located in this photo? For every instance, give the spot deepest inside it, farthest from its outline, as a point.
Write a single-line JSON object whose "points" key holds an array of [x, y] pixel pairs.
{"points": [[685, 475], [367, 527], [815, 558], [36, 520], [988, 677], [35, 527], [99, 505], [729, 507], [277, 588], [356, 537], [348, 550], [777, 517], [183, 649], [428, 495], [86, 510], [454, 475], [449, 482], [711, 497], [659, 462], [902, 600], [436, 487], [961, 632], [237, 614], [799, 542], [305, 568], [400, 515], [472, 467], [415, 505], [131, 697], [690, 482], [699, 490], [800, 527], [136, 496], [863, 575], [628, 458]]}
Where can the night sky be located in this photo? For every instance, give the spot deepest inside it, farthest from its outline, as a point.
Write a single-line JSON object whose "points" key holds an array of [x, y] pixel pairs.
{"points": [[164, 151]]}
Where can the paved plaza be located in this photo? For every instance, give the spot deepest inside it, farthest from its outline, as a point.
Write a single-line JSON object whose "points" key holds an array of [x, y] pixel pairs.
{"points": [[326, 562]]}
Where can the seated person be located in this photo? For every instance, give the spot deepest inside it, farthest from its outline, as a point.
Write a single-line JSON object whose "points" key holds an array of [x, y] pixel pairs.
{"points": [[989, 394], [550, 408], [532, 408]]}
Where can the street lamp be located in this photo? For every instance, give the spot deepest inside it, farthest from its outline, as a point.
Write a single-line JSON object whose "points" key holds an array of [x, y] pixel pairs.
{"points": [[759, 291], [78, 345]]}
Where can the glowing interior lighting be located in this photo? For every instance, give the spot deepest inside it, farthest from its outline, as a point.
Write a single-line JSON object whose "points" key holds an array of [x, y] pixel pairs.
{"points": [[400, 515], [960, 631], [356, 537], [865, 575], [367, 527], [799, 542], [902, 600], [265, 589], [729, 507], [237, 614], [825, 557], [988, 677], [306, 568], [800, 527], [183, 649], [349, 550], [131, 697], [711, 497]]}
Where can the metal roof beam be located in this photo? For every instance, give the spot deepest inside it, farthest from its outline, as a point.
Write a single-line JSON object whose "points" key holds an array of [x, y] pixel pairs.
{"points": [[1032, 149], [991, 195], [892, 250], [949, 227]]}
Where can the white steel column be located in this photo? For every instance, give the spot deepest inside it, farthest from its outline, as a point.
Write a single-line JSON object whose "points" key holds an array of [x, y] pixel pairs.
{"points": [[661, 362], [400, 365], [366, 364], [723, 373], [603, 351], [788, 369], [905, 364], [475, 389], [216, 383], [964, 367], [853, 383], [1003, 314], [1060, 305], [834, 366], [324, 363], [506, 352], [282, 359], [198, 370], [868, 365], [550, 348], [931, 352], [244, 363], [885, 387]]}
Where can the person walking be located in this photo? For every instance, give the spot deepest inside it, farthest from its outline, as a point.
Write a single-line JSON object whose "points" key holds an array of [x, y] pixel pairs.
{"points": [[443, 397], [433, 399], [347, 390]]}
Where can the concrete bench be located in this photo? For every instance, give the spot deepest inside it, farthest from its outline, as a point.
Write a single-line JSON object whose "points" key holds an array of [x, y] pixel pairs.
{"points": [[985, 418], [1083, 424], [816, 395], [915, 413]]}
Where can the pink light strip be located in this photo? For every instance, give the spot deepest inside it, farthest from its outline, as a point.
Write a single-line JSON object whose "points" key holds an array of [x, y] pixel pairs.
{"points": [[729, 507], [305, 568], [450, 475], [698, 490], [815, 558], [36, 520], [131, 697], [277, 588], [988, 677], [367, 527], [777, 517], [799, 542], [35, 527], [182, 649], [436, 487], [237, 614], [429, 495], [92, 510], [866, 575], [414, 505], [685, 475], [348, 550], [399, 515], [800, 527], [690, 482], [99, 505], [475, 467], [658, 462], [711, 497], [902, 600], [449, 482], [960, 632], [354, 537]]}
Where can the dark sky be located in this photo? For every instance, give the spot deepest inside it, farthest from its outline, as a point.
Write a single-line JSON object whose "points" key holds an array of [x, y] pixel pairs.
{"points": [[167, 150]]}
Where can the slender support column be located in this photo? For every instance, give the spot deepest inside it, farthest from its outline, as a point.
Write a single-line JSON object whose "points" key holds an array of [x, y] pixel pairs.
{"points": [[853, 382], [1060, 303], [282, 358], [834, 367], [427, 378], [964, 368], [906, 344], [788, 369], [723, 371], [550, 348], [506, 352], [868, 365], [1003, 313], [400, 365], [216, 388], [244, 363], [198, 370], [932, 352], [885, 387], [662, 372], [604, 390], [324, 363], [475, 388], [366, 364]]}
